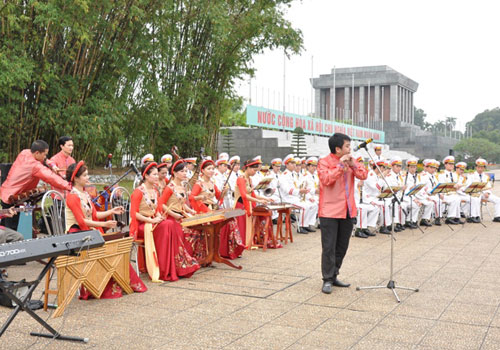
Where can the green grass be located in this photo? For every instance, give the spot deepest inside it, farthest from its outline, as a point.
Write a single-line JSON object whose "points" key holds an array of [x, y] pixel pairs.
{"points": [[128, 184]]}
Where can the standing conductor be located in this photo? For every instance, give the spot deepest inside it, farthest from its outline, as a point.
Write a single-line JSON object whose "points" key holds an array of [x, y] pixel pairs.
{"points": [[336, 206]]}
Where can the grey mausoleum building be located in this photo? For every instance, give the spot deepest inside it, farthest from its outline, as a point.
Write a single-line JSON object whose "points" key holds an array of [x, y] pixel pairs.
{"points": [[379, 92]]}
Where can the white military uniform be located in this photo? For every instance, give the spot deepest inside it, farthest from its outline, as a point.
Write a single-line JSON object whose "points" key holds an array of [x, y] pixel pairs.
{"points": [[423, 196], [476, 177], [370, 192], [367, 212], [469, 205], [394, 179], [410, 180], [220, 179], [289, 189], [452, 199]]}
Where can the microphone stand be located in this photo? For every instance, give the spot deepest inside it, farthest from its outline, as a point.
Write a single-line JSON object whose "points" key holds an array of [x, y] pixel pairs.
{"points": [[391, 284]]}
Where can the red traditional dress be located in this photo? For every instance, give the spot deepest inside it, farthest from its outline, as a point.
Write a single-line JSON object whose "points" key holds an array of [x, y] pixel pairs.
{"points": [[79, 206], [174, 259], [174, 198], [242, 191], [231, 245]]}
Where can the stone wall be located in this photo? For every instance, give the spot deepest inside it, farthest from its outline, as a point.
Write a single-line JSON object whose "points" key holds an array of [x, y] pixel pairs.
{"points": [[410, 138]]}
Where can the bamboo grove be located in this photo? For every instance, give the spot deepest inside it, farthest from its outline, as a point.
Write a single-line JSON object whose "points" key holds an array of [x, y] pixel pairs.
{"points": [[128, 76]]}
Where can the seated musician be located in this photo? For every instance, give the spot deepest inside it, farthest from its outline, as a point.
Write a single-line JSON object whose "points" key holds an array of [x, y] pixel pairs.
{"points": [[162, 177], [167, 159], [81, 215], [480, 176], [450, 198], [245, 198], [28, 169], [204, 198], [8, 235], [173, 202], [174, 259]]}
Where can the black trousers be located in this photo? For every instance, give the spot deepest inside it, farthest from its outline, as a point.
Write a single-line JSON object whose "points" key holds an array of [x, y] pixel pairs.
{"points": [[335, 236], [10, 222]]}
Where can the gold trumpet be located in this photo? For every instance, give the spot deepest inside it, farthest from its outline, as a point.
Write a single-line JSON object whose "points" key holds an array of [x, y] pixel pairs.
{"points": [[303, 186]]}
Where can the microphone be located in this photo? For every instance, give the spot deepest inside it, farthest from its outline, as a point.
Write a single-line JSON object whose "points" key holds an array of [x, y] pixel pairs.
{"points": [[132, 165], [363, 145]]}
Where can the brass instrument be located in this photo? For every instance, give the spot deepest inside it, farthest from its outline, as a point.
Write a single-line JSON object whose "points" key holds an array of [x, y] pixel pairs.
{"points": [[303, 186], [268, 192], [196, 173]]}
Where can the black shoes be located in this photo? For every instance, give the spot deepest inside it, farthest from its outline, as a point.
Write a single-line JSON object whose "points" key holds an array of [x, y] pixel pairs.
{"points": [[368, 232], [310, 229], [293, 218], [340, 284], [475, 220], [385, 230], [359, 233], [454, 221], [497, 219], [437, 222], [302, 230], [327, 287], [275, 221], [425, 222], [411, 225]]}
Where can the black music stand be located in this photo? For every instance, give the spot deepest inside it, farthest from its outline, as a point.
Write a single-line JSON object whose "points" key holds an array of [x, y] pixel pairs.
{"points": [[442, 188], [473, 188], [411, 193], [22, 305]]}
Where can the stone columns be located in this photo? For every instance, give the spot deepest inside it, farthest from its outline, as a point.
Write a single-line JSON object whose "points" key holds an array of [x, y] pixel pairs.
{"points": [[317, 102], [346, 114], [393, 114], [405, 105], [362, 104], [412, 111], [376, 96], [332, 103]]}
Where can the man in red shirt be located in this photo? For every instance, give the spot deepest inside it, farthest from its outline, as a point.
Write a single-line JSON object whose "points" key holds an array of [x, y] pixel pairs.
{"points": [[24, 175], [337, 206], [62, 160]]}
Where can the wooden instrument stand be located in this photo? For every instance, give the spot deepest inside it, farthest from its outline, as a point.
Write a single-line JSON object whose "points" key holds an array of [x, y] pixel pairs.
{"points": [[93, 268], [263, 232], [286, 214]]}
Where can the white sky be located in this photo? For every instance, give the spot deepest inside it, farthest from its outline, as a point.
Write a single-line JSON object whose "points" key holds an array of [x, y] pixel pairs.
{"points": [[451, 48]]}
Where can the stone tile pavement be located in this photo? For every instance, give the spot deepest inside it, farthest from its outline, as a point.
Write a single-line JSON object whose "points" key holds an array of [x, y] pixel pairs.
{"points": [[275, 301]]}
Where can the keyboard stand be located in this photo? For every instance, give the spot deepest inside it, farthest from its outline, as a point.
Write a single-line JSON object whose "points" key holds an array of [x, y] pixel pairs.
{"points": [[22, 305]]}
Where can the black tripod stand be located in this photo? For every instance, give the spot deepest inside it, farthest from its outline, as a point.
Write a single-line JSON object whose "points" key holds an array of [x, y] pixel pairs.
{"points": [[391, 284], [22, 305]]}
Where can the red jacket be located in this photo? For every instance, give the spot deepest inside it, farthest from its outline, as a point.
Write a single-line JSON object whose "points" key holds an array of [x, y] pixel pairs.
{"points": [[336, 187], [25, 174]]}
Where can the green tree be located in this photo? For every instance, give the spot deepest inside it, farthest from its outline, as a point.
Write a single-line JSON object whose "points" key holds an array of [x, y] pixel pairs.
{"points": [[298, 142], [473, 148], [227, 141], [488, 120], [129, 76], [419, 117]]}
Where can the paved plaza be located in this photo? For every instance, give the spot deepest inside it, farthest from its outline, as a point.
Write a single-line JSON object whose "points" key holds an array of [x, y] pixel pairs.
{"points": [[275, 302]]}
